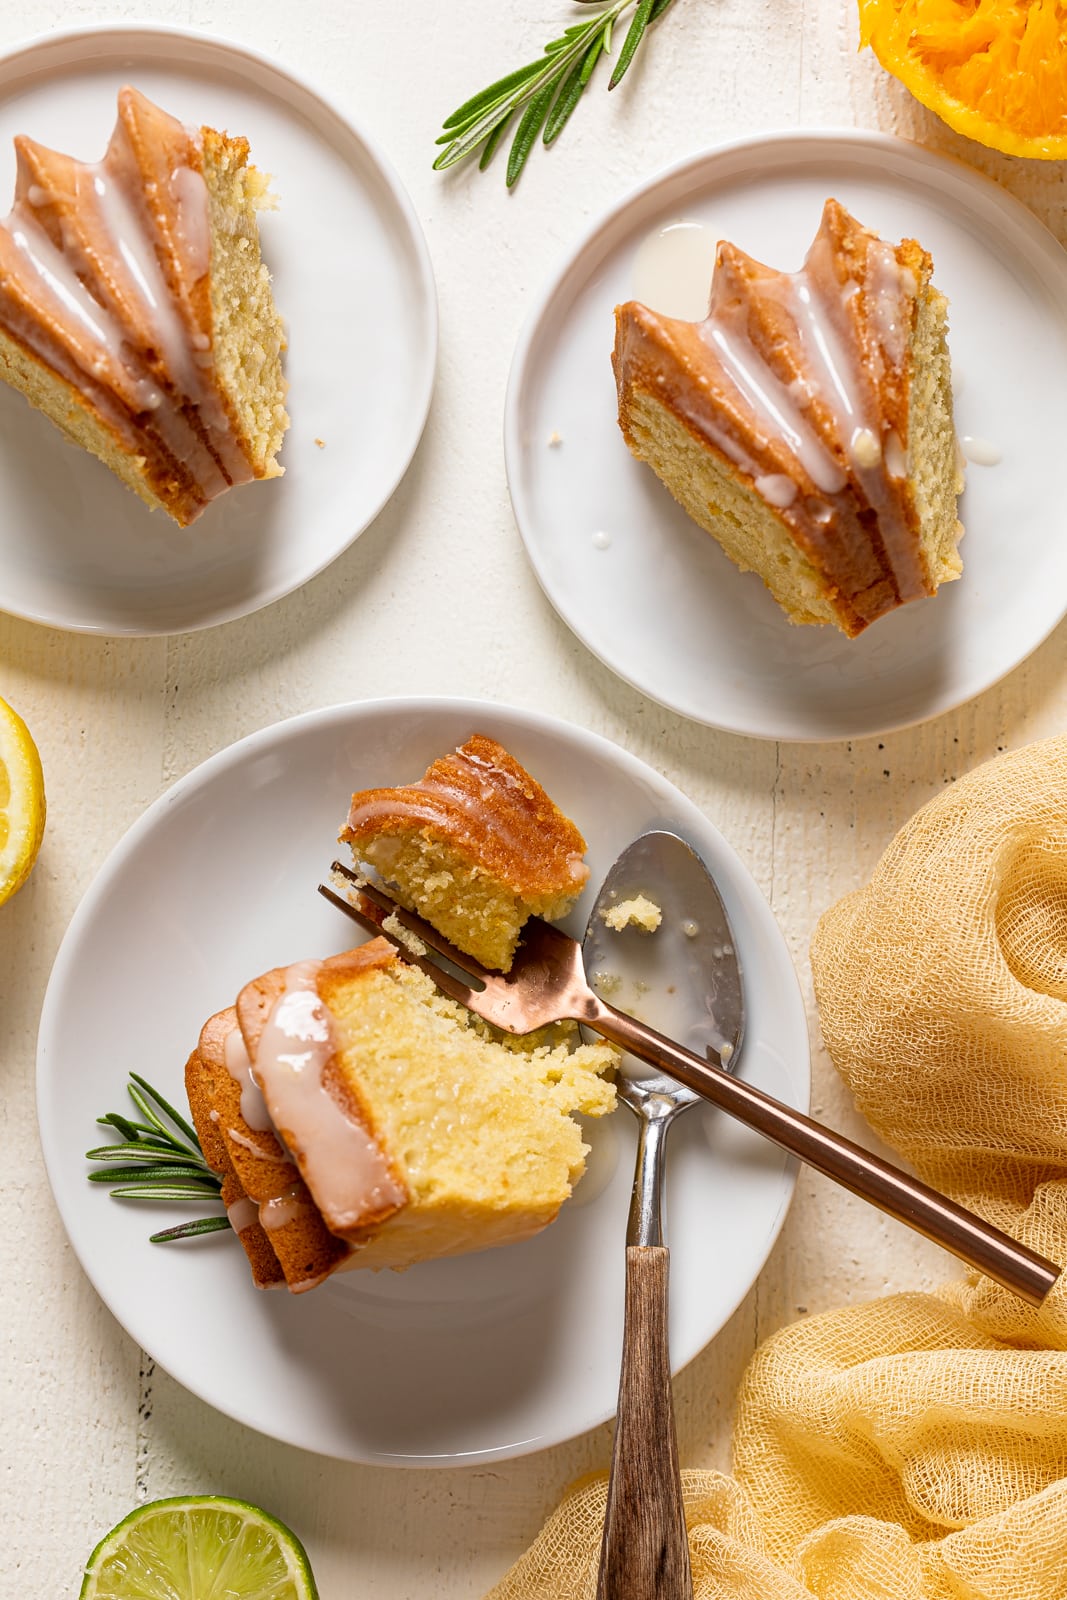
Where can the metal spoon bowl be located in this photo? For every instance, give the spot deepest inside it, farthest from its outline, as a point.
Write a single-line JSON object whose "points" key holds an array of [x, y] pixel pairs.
{"points": [[687, 973]]}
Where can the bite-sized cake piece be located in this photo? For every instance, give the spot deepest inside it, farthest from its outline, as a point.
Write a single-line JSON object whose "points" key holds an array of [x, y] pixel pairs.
{"points": [[135, 310], [412, 1131], [475, 847], [807, 421]]}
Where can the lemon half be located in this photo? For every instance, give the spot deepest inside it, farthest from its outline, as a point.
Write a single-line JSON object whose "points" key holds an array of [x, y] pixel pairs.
{"points": [[199, 1547], [22, 805]]}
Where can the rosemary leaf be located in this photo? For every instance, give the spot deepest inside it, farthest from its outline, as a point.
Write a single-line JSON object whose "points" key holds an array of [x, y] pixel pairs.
{"points": [[159, 1160], [568, 97], [490, 147], [189, 1230], [526, 133], [149, 1176], [178, 1120], [151, 1191], [143, 1150], [630, 43], [128, 1129], [466, 114], [543, 93]]}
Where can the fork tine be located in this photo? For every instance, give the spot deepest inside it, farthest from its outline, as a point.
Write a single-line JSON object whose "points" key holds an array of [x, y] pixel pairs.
{"points": [[447, 984], [370, 925], [422, 930]]}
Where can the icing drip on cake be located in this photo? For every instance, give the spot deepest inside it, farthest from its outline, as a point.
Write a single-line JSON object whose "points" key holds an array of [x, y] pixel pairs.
{"points": [[801, 381], [104, 279], [342, 1164], [481, 798]]}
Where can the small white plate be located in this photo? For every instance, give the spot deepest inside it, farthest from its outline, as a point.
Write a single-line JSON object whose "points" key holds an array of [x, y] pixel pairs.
{"points": [[353, 281], [477, 1358], [652, 594]]}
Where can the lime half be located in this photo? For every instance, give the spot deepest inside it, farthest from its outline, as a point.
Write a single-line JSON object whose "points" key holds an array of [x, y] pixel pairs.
{"points": [[199, 1547]]}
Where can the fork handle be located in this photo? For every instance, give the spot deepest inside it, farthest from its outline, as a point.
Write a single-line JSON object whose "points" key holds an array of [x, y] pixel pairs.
{"points": [[973, 1240], [645, 1553]]}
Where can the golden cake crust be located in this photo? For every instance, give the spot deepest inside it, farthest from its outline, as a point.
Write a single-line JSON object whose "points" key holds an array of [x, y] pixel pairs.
{"points": [[242, 1211], [823, 439], [304, 1246], [124, 355], [489, 810]]}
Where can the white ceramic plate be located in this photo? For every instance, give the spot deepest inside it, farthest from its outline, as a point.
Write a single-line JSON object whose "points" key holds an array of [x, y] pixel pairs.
{"points": [[480, 1357], [660, 604], [353, 280]]}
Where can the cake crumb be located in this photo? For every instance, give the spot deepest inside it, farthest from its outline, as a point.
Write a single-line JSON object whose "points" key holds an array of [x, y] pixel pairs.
{"points": [[411, 941], [554, 440], [321, 443], [637, 912], [606, 983]]}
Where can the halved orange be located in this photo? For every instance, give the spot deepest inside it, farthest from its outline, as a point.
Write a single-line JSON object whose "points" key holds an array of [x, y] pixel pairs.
{"points": [[995, 70]]}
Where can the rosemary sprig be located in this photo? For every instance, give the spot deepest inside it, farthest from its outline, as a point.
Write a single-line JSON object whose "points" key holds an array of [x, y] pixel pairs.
{"points": [[544, 93], [157, 1159]]}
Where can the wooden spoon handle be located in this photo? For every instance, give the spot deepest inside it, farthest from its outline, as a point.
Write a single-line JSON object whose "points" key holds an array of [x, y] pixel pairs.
{"points": [[645, 1553]]}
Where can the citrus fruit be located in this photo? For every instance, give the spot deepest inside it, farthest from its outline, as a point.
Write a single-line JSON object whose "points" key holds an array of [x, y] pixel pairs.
{"points": [[21, 802], [995, 70], [199, 1547]]}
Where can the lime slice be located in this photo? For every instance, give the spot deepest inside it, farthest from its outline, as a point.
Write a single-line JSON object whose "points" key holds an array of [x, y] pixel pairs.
{"points": [[199, 1547]]}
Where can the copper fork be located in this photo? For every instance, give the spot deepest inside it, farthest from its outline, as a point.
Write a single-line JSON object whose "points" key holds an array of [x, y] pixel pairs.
{"points": [[547, 984]]}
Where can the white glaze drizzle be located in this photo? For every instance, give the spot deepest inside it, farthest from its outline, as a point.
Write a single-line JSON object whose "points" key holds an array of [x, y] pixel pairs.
{"points": [[214, 458], [777, 488], [192, 224], [672, 269], [770, 399], [345, 1169], [242, 1214], [253, 1106], [839, 374], [284, 1208], [890, 288], [865, 448], [982, 452], [896, 461]]}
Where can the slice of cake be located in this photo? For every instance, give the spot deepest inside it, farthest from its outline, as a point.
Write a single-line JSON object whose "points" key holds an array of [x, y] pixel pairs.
{"points": [[412, 1132], [475, 847], [242, 1212], [807, 421], [228, 1109], [135, 310]]}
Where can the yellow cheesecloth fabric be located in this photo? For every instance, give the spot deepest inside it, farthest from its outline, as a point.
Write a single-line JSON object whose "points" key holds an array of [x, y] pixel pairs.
{"points": [[915, 1448]]}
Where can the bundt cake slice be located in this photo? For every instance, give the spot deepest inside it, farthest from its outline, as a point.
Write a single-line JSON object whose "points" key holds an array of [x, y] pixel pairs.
{"points": [[807, 421], [378, 1124], [229, 1111], [475, 847], [135, 310], [243, 1213]]}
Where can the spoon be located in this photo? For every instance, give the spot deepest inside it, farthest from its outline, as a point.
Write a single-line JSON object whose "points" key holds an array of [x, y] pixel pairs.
{"points": [[687, 970]]}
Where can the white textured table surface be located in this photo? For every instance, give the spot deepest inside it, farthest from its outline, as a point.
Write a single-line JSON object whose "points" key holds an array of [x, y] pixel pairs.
{"points": [[90, 1427]]}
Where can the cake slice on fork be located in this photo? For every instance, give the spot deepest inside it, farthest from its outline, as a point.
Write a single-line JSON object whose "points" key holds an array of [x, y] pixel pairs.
{"points": [[475, 846]]}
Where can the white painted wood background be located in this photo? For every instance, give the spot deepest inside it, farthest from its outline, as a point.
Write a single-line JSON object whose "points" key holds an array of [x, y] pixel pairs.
{"points": [[89, 1427]]}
